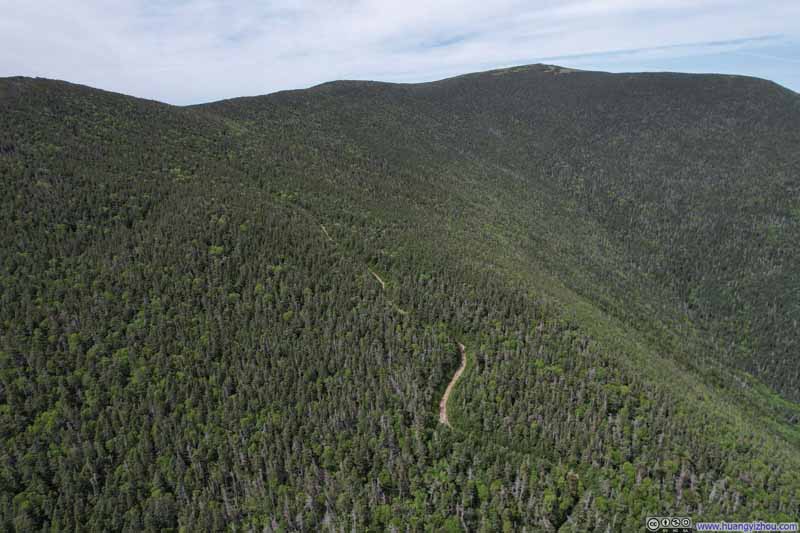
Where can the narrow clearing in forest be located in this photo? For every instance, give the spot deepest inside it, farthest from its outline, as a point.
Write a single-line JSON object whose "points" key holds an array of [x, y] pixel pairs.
{"points": [[383, 283], [443, 404]]}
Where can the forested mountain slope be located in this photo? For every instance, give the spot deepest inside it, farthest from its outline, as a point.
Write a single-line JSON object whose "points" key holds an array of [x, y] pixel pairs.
{"points": [[190, 335], [685, 174]]}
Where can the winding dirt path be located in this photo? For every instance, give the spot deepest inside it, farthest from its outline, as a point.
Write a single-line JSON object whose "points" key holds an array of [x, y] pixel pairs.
{"points": [[383, 283], [443, 404], [328, 235]]}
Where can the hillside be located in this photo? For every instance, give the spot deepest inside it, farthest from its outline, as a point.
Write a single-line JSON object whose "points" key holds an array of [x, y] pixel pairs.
{"points": [[192, 336]]}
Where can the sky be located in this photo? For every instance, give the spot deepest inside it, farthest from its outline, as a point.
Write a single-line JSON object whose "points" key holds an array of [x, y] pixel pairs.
{"points": [[192, 51]]}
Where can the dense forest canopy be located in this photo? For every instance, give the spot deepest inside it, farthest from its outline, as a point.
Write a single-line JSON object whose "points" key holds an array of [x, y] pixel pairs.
{"points": [[194, 335]]}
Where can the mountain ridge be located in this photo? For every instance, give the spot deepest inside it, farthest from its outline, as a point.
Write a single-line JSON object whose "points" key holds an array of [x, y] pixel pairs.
{"points": [[534, 67]]}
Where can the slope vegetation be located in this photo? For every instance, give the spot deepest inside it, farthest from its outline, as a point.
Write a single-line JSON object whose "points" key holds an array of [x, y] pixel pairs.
{"points": [[192, 335]]}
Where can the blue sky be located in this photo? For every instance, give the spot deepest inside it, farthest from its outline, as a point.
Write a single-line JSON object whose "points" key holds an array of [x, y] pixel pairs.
{"points": [[191, 51]]}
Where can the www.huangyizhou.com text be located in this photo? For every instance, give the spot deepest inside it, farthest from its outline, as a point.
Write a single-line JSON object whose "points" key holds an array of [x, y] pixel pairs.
{"points": [[747, 526]]}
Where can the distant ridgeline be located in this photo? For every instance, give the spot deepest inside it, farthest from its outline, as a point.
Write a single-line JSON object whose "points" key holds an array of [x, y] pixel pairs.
{"points": [[193, 335]]}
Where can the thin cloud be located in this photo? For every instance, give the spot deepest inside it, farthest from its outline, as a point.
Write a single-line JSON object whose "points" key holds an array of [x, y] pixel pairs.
{"points": [[686, 49], [770, 57]]}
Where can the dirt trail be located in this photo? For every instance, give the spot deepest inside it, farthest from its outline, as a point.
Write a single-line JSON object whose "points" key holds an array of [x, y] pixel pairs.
{"points": [[443, 404], [383, 283], [325, 231]]}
